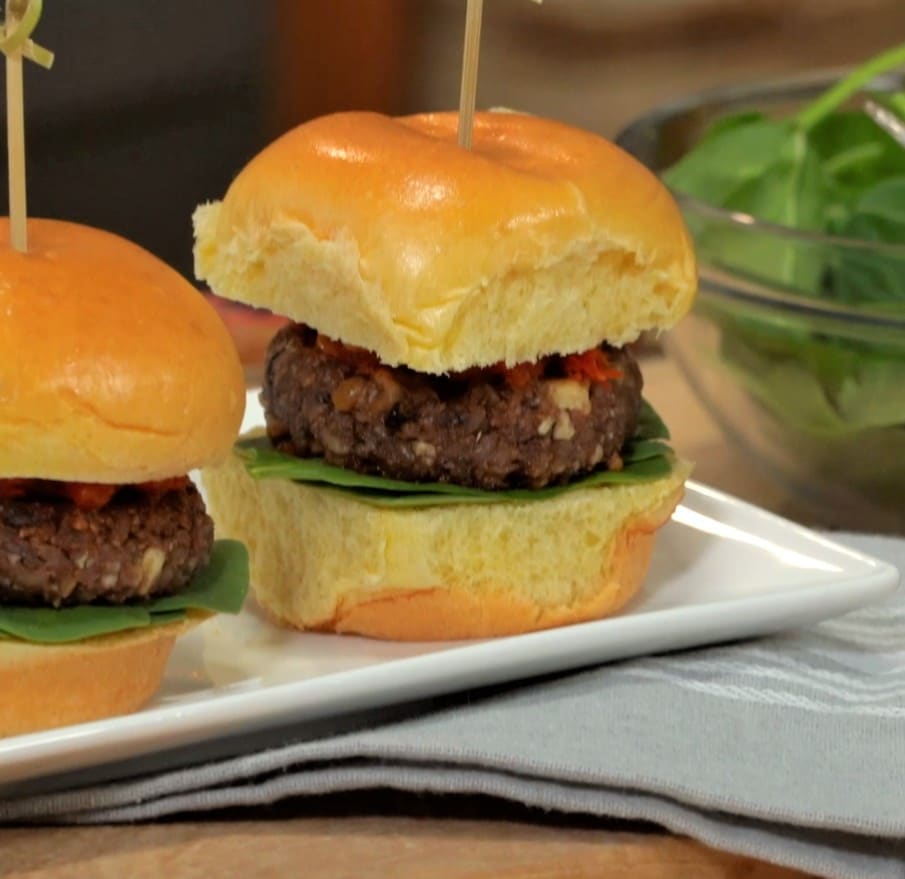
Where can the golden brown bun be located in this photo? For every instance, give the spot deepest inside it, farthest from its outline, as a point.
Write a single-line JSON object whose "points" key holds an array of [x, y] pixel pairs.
{"points": [[113, 368], [322, 560], [46, 686], [383, 233]]}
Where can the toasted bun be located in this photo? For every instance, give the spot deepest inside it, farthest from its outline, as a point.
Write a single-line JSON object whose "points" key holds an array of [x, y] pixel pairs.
{"points": [[46, 686], [383, 233], [323, 560], [113, 368]]}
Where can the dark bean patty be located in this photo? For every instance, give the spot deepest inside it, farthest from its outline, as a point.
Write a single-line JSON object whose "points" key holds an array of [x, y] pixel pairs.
{"points": [[479, 428], [138, 545]]}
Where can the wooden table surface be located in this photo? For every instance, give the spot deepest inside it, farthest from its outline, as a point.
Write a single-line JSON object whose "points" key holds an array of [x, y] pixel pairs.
{"points": [[424, 838]]}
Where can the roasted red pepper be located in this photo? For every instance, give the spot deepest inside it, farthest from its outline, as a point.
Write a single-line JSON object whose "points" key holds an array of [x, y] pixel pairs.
{"points": [[85, 495], [88, 495], [593, 365]]}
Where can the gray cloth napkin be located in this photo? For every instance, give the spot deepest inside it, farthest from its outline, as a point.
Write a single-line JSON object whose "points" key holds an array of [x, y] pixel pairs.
{"points": [[789, 748]]}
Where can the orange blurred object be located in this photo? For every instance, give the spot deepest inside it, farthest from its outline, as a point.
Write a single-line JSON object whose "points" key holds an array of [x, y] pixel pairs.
{"points": [[251, 330]]}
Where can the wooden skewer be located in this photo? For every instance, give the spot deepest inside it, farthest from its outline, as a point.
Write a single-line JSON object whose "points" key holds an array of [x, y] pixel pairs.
{"points": [[15, 132], [469, 87]]}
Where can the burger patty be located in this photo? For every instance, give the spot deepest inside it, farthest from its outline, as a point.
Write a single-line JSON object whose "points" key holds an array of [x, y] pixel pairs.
{"points": [[137, 546], [478, 429]]}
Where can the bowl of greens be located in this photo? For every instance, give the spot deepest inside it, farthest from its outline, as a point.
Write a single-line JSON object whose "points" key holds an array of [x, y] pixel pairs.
{"points": [[796, 200]]}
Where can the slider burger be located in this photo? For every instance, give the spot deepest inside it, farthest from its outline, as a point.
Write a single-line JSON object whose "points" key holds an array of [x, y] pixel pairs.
{"points": [[456, 444], [116, 379]]}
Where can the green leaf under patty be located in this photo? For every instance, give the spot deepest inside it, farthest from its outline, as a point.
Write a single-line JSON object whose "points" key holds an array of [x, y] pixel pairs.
{"points": [[645, 457], [221, 588], [650, 424]]}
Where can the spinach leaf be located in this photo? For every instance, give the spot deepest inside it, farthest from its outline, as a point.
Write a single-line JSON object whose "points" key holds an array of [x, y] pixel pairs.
{"points": [[643, 460], [47, 625], [793, 193], [886, 202], [767, 169], [721, 164], [262, 461], [646, 469], [828, 399], [874, 275], [855, 151], [831, 169], [819, 386], [733, 120], [811, 171], [650, 424], [220, 588]]}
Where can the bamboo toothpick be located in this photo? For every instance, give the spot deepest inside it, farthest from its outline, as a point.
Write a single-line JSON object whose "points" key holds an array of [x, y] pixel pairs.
{"points": [[20, 21], [469, 86], [470, 54], [15, 134]]}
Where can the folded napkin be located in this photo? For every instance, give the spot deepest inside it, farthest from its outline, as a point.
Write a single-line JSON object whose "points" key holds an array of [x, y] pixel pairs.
{"points": [[789, 748]]}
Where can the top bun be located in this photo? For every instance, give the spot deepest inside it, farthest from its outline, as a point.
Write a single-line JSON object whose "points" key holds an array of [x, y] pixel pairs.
{"points": [[113, 368], [383, 233]]}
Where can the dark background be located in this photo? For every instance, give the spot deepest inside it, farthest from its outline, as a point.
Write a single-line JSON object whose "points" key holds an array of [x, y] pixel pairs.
{"points": [[146, 111], [153, 107]]}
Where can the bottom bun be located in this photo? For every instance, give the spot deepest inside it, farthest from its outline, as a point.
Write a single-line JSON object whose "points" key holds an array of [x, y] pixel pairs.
{"points": [[52, 685], [322, 560]]}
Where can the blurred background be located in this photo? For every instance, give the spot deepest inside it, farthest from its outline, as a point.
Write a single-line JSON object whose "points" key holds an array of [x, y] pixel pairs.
{"points": [[152, 108]]}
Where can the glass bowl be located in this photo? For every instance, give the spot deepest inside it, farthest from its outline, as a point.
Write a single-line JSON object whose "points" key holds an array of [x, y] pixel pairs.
{"points": [[789, 347]]}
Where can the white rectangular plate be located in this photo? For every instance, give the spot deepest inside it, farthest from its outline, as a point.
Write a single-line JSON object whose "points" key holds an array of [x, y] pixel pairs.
{"points": [[722, 570]]}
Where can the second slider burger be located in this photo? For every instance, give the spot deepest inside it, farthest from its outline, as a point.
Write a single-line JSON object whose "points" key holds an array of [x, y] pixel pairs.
{"points": [[457, 442], [117, 379]]}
